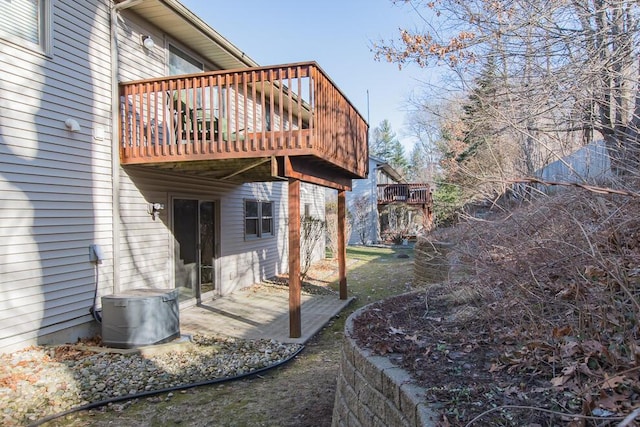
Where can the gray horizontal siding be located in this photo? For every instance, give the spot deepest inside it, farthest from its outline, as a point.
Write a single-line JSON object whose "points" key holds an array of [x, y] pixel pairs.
{"points": [[244, 261], [54, 317], [136, 62], [67, 283], [55, 186], [56, 305]]}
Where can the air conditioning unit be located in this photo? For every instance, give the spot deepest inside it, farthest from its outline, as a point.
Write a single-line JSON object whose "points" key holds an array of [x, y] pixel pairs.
{"points": [[140, 317]]}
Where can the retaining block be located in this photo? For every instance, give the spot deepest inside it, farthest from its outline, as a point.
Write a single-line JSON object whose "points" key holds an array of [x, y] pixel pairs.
{"points": [[371, 391]]}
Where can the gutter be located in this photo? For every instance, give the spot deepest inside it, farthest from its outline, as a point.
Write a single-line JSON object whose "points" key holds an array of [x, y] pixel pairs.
{"points": [[115, 150]]}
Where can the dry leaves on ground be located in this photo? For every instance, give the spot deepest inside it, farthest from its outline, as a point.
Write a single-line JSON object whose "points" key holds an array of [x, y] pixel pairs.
{"points": [[544, 328]]}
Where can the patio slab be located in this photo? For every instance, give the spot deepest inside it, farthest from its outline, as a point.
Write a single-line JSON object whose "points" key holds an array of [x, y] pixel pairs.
{"points": [[260, 313]]}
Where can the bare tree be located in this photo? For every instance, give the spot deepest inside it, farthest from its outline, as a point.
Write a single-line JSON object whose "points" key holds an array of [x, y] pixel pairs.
{"points": [[425, 156], [312, 233], [361, 218], [562, 72], [331, 216]]}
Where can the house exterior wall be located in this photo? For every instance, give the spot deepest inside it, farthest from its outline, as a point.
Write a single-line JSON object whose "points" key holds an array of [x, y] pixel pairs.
{"points": [[362, 203], [56, 186], [591, 164], [384, 179], [148, 246]]}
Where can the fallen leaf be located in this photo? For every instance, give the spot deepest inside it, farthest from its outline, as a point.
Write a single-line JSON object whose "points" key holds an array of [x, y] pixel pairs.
{"points": [[593, 272], [612, 382], [567, 374], [593, 347], [584, 369], [612, 402], [561, 332], [383, 348], [413, 338], [569, 349], [559, 381], [495, 367], [567, 293]]}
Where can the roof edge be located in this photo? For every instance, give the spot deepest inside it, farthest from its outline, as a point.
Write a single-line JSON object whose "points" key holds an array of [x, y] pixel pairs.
{"points": [[208, 31]]}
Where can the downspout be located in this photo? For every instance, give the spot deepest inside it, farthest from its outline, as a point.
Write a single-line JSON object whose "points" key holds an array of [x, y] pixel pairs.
{"points": [[115, 141]]}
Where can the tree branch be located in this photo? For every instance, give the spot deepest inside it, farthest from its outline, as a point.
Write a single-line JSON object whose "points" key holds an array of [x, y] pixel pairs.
{"points": [[592, 188]]}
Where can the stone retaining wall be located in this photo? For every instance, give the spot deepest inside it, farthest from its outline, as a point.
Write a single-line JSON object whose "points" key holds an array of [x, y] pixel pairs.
{"points": [[372, 392], [431, 263]]}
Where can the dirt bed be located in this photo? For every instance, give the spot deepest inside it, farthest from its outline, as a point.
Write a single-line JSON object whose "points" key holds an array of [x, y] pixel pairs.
{"points": [[542, 331]]}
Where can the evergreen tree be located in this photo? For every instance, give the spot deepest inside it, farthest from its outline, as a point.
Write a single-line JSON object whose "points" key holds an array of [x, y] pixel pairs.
{"points": [[386, 146], [479, 112]]}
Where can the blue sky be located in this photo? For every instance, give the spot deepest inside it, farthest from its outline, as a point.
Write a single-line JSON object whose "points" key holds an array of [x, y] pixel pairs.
{"points": [[337, 34]]}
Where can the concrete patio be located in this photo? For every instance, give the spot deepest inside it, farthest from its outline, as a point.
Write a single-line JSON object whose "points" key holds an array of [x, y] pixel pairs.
{"points": [[260, 312]]}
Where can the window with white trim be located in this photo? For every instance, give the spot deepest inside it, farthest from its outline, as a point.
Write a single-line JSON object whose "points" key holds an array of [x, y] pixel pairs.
{"points": [[27, 23], [180, 62], [258, 219]]}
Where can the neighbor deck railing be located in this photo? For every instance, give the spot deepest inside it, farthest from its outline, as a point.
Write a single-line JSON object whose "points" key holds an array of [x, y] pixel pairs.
{"points": [[405, 193], [292, 109]]}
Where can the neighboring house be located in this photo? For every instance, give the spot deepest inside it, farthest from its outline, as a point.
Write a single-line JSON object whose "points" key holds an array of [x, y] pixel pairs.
{"points": [[370, 199], [362, 201], [133, 132], [589, 164]]}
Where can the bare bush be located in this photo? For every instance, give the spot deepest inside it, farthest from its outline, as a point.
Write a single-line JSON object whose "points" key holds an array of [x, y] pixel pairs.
{"points": [[361, 218], [312, 231], [560, 279], [331, 216]]}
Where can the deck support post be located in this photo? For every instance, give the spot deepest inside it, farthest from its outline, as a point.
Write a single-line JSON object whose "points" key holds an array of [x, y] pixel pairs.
{"points": [[342, 243], [295, 321]]}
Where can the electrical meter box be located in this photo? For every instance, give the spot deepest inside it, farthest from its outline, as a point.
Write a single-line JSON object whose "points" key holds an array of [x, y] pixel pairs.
{"points": [[140, 317]]}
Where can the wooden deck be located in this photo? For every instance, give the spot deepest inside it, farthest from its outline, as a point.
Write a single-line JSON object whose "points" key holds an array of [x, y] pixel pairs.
{"points": [[413, 194], [252, 124]]}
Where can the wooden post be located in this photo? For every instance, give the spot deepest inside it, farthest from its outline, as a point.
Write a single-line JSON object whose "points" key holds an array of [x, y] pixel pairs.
{"points": [[295, 321], [342, 243]]}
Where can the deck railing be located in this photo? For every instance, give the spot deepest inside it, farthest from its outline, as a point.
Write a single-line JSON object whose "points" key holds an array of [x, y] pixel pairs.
{"points": [[291, 109], [404, 193]]}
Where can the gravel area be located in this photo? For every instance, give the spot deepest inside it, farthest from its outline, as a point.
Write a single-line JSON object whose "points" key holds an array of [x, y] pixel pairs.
{"points": [[42, 381]]}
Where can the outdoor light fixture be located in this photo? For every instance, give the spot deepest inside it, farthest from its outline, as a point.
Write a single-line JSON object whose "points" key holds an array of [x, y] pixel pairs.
{"points": [[148, 42], [72, 125], [154, 210]]}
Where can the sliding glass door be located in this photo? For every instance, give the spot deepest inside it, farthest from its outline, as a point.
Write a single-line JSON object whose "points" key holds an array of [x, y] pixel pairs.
{"points": [[194, 229]]}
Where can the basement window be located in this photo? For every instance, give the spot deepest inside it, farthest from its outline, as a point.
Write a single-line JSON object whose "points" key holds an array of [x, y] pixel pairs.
{"points": [[27, 23], [258, 219]]}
